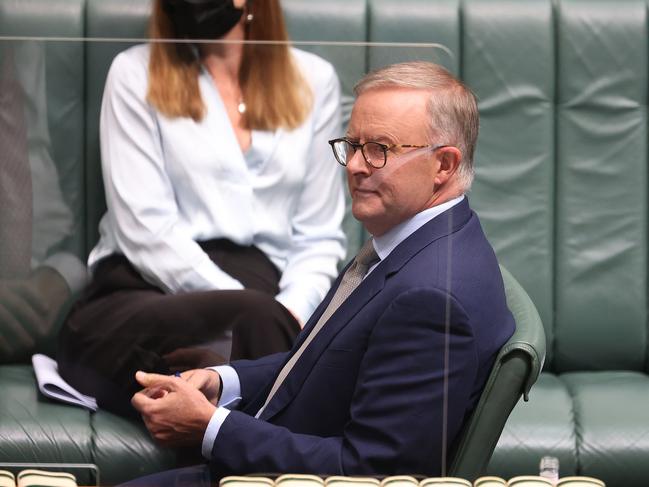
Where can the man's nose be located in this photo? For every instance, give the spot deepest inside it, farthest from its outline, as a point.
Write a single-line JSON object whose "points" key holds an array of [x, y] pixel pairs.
{"points": [[358, 165]]}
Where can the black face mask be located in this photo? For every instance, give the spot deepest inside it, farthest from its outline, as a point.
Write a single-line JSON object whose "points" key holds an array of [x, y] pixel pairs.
{"points": [[202, 19]]}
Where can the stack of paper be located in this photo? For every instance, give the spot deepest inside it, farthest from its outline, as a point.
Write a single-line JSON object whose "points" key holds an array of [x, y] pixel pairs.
{"points": [[52, 385]]}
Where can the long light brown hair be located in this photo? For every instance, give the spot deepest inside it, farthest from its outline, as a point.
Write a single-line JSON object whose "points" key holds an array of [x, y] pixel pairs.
{"points": [[275, 91]]}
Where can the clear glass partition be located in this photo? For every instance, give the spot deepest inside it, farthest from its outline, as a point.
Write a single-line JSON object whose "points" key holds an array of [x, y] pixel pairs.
{"points": [[53, 197]]}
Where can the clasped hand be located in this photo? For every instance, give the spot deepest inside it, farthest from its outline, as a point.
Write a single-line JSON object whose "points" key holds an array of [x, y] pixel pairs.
{"points": [[177, 410]]}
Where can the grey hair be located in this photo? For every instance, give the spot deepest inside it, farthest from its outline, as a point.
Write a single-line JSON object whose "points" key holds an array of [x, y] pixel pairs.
{"points": [[452, 106]]}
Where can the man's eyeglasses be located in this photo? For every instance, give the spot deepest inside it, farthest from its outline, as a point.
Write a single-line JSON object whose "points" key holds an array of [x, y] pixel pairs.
{"points": [[374, 153]]}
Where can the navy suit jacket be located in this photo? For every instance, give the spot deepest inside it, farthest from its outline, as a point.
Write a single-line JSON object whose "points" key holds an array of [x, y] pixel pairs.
{"points": [[368, 397]]}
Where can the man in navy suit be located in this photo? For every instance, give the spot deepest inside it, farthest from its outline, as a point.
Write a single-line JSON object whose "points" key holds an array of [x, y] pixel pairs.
{"points": [[382, 384]]}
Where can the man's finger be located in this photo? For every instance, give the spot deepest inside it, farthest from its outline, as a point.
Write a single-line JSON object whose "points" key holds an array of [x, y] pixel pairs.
{"points": [[140, 401], [148, 380], [155, 392]]}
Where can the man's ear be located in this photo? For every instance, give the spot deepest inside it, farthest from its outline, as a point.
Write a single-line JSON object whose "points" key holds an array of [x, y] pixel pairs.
{"points": [[449, 160]]}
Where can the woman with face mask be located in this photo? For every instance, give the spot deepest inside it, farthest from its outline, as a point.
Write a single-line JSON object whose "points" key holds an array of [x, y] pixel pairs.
{"points": [[224, 205]]}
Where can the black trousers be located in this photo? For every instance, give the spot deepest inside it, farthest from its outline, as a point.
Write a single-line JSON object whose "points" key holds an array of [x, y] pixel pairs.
{"points": [[123, 324]]}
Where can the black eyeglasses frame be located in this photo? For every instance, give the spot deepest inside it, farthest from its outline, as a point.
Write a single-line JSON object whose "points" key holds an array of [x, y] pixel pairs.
{"points": [[384, 148]]}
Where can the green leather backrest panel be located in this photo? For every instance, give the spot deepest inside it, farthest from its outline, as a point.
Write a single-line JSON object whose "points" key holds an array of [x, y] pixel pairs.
{"points": [[414, 21], [42, 18], [64, 85], [601, 185], [508, 60], [104, 19]]}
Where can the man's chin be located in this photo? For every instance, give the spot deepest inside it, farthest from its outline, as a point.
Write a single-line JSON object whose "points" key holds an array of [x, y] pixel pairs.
{"points": [[365, 214]]}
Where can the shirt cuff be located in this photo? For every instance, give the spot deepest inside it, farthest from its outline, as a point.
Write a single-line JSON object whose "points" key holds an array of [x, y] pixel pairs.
{"points": [[295, 300], [226, 282], [212, 430], [231, 391]]}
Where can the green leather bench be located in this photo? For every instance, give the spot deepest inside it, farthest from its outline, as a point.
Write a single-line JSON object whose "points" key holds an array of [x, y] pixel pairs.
{"points": [[561, 189]]}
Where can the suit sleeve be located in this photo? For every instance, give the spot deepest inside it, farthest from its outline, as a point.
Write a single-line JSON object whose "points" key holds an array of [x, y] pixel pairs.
{"points": [[255, 376], [399, 408]]}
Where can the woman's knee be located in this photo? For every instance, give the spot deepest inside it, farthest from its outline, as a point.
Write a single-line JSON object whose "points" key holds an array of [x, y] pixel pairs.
{"points": [[265, 318]]}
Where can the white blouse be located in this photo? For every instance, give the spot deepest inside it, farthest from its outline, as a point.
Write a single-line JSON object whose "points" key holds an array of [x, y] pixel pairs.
{"points": [[171, 182]]}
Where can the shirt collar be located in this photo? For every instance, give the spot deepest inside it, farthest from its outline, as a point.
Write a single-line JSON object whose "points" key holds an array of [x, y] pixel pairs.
{"points": [[387, 242]]}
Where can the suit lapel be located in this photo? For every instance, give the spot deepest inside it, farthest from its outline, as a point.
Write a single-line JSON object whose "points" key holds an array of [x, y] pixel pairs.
{"points": [[345, 312], [441, 226]]}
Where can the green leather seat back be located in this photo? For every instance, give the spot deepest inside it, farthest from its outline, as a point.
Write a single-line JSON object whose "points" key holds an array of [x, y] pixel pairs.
{"points": [[64, 84], [416, 24], [52, 80], [514, 163], [601, 221], [515, 369]]}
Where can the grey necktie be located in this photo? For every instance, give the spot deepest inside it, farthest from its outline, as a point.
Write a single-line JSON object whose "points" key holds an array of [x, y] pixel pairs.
{"points": [[350, 281], [15, 175]]}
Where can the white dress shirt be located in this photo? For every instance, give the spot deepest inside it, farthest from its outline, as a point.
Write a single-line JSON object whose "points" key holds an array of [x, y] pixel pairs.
{"points": [[171, 182], [384, 245]]}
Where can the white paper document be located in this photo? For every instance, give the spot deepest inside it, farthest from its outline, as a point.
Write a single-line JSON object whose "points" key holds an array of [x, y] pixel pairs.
{"points": [[52, 385]]}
